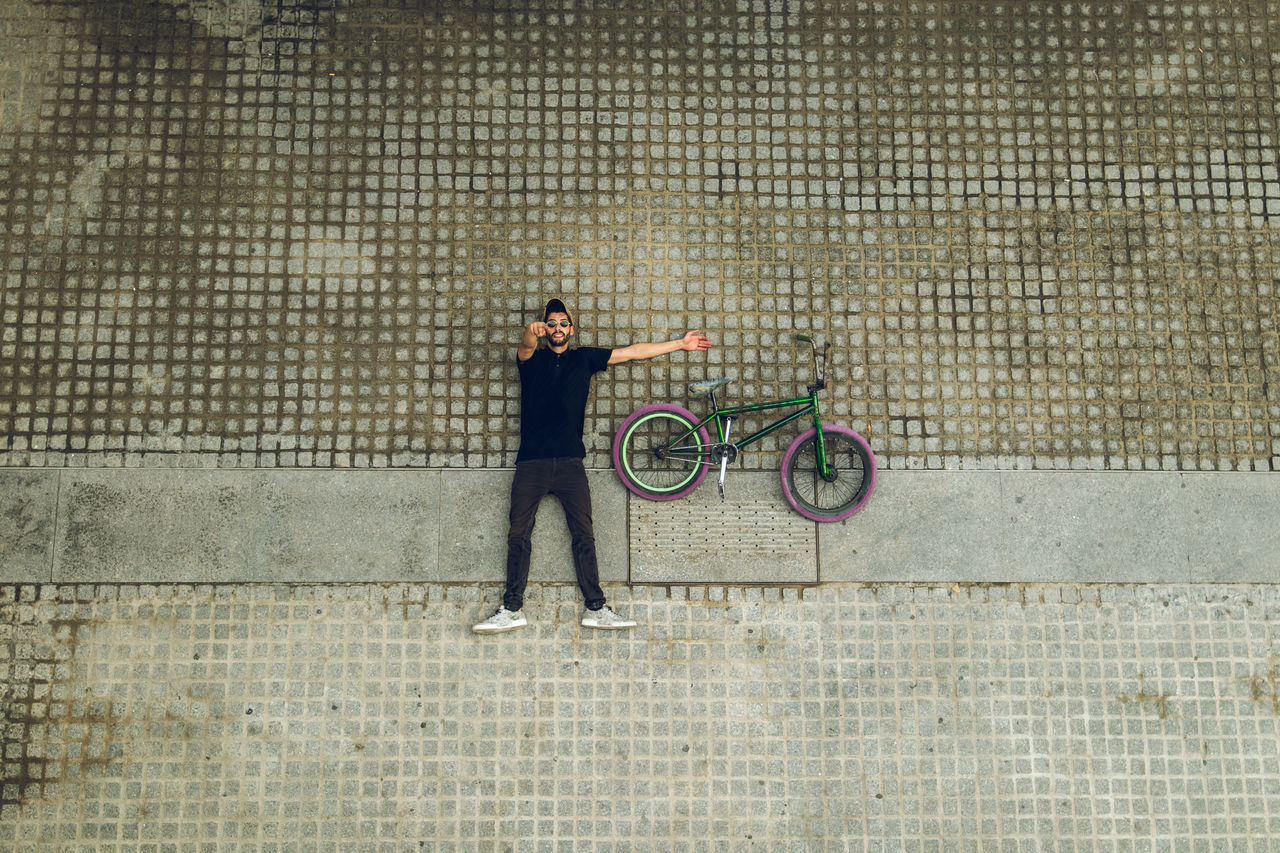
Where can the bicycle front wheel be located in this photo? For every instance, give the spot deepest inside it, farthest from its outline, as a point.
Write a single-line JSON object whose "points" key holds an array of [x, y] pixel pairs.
{"points": [[845, 491], [658, 454]]}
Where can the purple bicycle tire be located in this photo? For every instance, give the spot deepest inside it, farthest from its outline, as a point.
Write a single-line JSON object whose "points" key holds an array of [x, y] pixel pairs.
{"points": [[619, 465], [800, 441]]}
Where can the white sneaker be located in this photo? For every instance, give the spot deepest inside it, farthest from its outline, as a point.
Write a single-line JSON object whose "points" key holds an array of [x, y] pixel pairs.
{"points": [[503, 620], [605, 618]]}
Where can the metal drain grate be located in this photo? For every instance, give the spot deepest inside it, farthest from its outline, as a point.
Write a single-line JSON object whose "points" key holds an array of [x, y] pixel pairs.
{"points": [[744, 541]]}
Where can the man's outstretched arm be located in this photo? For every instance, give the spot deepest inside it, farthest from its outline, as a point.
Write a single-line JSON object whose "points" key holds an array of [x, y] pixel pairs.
{"points": [[691, 342], [529, 339]]}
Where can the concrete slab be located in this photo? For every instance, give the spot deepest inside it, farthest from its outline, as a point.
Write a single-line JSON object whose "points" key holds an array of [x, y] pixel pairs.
{"points": [[28, 513], [751, 537], [1062, 527], [1093, 527], [345, 525], [920, 524], [1231, 527], [182, 525], [154, 525], [473, 533], [226, 526]]}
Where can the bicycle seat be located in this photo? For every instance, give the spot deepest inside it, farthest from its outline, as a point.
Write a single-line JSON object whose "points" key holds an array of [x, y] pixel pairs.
{"points": [[706, 386]]}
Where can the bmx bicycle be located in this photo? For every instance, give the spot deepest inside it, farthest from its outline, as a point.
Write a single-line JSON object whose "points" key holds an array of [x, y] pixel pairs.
{"points": [[663, 451]]}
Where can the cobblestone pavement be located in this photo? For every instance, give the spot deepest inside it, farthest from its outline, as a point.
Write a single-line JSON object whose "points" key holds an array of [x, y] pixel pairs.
{"points": [[839, 718], [306, 233]]}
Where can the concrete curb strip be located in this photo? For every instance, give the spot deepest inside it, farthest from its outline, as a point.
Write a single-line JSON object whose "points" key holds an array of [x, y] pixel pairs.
{"points": [[442, 525]]}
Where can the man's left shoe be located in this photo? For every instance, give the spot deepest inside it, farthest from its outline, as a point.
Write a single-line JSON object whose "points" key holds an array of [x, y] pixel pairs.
{"points": [[606, 618]]}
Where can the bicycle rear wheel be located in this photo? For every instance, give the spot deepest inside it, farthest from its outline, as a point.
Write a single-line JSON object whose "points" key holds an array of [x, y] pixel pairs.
{"points": [[832, 498], [643, 452]]}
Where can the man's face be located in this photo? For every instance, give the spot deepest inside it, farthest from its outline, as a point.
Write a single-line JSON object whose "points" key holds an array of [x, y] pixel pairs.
{"points": [[558, 335]]}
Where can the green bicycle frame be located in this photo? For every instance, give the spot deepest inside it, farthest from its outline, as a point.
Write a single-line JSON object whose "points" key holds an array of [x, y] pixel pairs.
{"points": [[803, 406]]}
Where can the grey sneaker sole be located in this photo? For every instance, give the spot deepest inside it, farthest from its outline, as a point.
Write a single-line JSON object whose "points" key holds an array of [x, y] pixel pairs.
{"points": [[612, 626], [479, 630]]}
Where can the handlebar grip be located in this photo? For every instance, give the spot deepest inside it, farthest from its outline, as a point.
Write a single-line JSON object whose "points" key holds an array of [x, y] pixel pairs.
{"points": [[804, 338]]}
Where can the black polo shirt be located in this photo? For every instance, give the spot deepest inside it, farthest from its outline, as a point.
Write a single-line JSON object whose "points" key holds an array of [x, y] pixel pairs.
{"points": [[553, 400]]}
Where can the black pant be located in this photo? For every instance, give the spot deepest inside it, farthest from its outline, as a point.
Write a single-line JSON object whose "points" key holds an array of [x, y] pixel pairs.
{"points": [[566, 478]]}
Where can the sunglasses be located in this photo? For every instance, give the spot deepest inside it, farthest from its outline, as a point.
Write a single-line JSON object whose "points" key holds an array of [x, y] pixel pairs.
{"points": [[564, 324]]}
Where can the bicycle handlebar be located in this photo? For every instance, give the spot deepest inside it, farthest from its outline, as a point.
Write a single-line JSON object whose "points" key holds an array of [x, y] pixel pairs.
{"points": [[819, 365], [808, 339]]}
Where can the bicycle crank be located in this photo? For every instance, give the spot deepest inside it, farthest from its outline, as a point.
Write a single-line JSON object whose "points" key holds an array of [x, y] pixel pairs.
{"points": [[725, 452]]}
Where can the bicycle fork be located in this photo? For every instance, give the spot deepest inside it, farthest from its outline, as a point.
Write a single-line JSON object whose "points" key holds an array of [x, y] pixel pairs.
{"points": [[826, 470]]}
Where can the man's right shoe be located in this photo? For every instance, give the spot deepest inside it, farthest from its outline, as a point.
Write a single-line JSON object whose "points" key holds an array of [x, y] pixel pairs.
{"points": [[503, 620]]}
